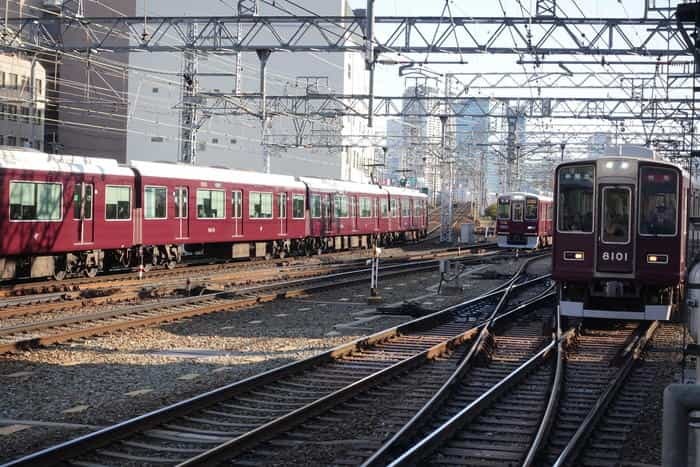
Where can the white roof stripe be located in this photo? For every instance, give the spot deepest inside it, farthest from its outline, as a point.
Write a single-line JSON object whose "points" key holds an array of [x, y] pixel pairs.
{"points": [[522, 193], [327, 184], [190, 172], [11, 159]]}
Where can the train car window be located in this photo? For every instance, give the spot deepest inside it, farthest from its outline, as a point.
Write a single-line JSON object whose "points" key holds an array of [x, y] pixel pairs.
{"points": [[316, 206], [365, 207], [405, 208], [298, 206], [30, 201], [237, 204], [658, 201], [260, 205], [117, 203], [155, 202], [384, 207], [531, 209], [282, 205], [78, 201], [211, 204], [394, 209], [341, 206], [575, 213], [615, 222], [503, 211]]}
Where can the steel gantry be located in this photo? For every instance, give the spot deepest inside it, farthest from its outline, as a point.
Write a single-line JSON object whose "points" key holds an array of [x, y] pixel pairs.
{"points": [[540, 35]]}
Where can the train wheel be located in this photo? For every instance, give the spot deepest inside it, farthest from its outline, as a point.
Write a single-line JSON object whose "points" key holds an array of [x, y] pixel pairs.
{"points": [[171, 264], [91, 271], [59, 275], [283, 254]]}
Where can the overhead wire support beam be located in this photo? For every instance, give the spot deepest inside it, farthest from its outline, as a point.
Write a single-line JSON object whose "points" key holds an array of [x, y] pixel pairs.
{"points": [[652, 37], [354, 105]]}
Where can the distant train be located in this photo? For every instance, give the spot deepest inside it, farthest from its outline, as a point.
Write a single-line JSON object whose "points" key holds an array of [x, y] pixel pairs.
{"points": [[620, 242], [68, 215], [524, 220]]}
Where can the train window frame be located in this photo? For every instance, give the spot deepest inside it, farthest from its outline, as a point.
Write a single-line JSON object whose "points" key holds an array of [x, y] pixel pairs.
{"points": [[34, 182], [295, 198], [236, 204], [210, 190], [594, 201], [316, 203], [537, 209], [405, 208], [629, 215], [365, 208], [393, 208], [340, 206], [259, 195], [92, 201], [165, 210], [510, 210], [131, 202], [639, 200], [383, 208]]}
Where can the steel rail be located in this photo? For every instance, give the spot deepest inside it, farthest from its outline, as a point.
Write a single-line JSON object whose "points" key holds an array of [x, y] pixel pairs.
{"points": [[428, 444], [92, 441], [632, 354], [403, 436]]}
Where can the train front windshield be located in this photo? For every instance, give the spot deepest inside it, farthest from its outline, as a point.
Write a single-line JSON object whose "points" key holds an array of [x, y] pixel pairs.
{"points": [[575, 199], [503, 208], [659, 201]]}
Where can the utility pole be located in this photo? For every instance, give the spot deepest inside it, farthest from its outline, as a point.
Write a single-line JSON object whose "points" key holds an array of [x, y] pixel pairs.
{"points": [[264, 55], [190, 88], [245, 8], [446, 196]]}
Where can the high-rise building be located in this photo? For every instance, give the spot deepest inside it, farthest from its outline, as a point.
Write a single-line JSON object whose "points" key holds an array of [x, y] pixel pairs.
{"points": [[127, 106], [421, 159], [22, 102]]}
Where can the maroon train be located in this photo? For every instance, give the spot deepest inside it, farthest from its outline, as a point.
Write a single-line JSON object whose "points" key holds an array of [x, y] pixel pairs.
{"points": [[524, 220], [620, 241], [66, 214]]}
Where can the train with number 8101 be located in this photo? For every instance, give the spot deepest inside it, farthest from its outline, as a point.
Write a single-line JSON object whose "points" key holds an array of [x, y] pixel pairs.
{"points": [[620, 238], [62, 215]]}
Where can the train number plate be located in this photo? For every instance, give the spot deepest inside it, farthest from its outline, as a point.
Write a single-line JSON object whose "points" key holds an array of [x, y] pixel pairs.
{"points": [[615, 256]]}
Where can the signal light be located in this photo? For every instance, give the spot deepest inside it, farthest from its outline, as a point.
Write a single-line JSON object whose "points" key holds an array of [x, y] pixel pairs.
{"points": [[574, 256], [657, 259]]}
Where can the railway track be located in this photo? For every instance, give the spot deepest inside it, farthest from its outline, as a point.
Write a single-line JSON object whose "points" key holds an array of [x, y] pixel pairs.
{"points": [[16, 292], [543, 412], [99, 294], [51, 331], [238, 417]]}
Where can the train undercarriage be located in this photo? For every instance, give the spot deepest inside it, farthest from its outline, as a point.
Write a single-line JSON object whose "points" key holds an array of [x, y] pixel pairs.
{"points": [[89, 263]]}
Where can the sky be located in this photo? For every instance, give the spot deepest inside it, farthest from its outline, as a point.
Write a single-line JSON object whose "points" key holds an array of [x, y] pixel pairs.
{"points": [[388, 79]]}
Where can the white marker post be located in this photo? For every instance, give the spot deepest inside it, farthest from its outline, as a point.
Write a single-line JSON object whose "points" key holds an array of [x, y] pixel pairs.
{"points": [[374, 277]]}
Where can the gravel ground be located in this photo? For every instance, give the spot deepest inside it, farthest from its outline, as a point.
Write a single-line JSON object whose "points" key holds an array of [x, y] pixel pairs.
{"points": [[104, 380], [643, 445]]}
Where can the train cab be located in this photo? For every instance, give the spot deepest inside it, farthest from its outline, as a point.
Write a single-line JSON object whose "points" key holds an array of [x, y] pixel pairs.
{"points": [[620, 243], [524, 220]]}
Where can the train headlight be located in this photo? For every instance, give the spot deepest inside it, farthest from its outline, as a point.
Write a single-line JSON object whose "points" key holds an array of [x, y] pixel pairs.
{"points": [[657, 259], [574, 256]]}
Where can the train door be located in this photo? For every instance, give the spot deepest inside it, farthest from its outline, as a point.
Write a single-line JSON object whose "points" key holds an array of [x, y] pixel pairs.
{"points": [[182, 204], [615, 251], [237, 212], [83, 213], [326, 219], [354, 211], [282, 203], [376, 212]]}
